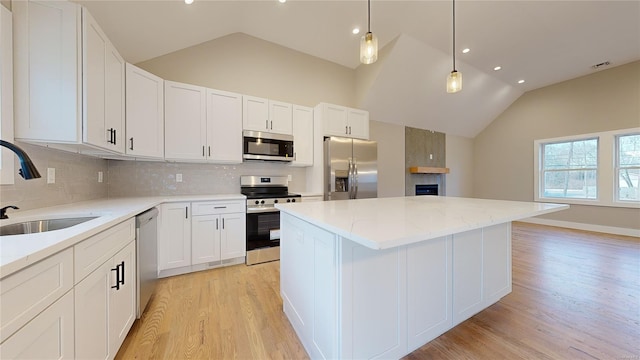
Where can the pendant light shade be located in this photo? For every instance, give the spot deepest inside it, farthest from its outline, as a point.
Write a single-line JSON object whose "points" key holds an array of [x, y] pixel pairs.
{"points": [[454, 80], [368, 42], [368, 48]]}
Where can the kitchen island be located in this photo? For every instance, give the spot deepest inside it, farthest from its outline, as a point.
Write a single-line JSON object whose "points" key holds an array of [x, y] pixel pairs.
{"points": [[378, 278]]}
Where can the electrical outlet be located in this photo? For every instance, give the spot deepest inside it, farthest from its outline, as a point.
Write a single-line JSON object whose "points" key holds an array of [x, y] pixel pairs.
{"points": [[100, 176], [430, 156], [289, 178], [178, 177], [51, 175]]}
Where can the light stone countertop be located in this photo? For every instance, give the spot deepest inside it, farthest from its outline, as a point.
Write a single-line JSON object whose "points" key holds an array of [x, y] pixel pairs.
{"points": [[385, 223], [20, 251]]}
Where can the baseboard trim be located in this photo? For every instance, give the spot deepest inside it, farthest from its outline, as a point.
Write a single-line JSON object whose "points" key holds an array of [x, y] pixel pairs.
{"points": [[586, 227]]}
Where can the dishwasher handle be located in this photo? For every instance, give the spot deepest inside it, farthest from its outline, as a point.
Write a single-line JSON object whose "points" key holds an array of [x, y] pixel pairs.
{"points": [[146, 217]]}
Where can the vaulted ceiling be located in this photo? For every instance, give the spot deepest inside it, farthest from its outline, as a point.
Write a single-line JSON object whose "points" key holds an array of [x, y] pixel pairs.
{"points": [[541, 42]]}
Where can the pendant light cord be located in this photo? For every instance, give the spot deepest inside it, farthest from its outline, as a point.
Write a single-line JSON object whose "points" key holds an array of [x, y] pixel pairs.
{"points": [[368, 15], [454, 35]]}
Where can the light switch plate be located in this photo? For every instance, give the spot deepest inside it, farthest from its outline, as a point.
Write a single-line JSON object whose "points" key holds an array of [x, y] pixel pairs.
{"points": [[51, 175], [100, 176], [178, 177]]}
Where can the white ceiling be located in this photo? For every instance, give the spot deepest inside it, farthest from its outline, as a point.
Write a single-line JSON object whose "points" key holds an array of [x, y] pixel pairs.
{"points": [[542, 42]]}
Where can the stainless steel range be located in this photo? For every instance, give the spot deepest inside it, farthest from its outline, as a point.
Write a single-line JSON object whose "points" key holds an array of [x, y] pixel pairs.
{"points": [[263, 219]]}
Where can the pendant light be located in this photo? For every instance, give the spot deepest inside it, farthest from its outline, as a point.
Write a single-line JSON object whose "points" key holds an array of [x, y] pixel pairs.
{"points": [[454, 80], [368, 42]]}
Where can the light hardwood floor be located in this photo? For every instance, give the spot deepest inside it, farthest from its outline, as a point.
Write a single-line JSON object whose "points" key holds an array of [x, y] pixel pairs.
{"points": [[576, 295]]}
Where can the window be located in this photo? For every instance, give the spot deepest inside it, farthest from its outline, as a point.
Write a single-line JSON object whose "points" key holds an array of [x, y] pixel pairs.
{"points": [[601, 169], [628, 169], [570, 168]]}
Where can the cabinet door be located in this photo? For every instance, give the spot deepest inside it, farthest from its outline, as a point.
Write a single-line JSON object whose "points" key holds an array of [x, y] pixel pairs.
{"points": [[184, 121], [496, 259], [94, 43], [49, 335], [334, 120], [255, 113], [233, 238], [46, 44], [122, 299], [358, 123], [144, 113], [467, 275], [280, 117], [174, 238], [205, 244], [114, 99], [224, 126], [302, 136], [92, 313]]}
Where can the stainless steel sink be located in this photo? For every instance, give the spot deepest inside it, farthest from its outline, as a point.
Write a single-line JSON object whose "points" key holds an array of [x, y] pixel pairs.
{"points": [[36, 226]]}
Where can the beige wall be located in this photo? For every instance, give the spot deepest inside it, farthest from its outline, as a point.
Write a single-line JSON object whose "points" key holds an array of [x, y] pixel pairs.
{"points": [[247, 65], [390, 138], [76, 180], [503, 152], [459, 160]]}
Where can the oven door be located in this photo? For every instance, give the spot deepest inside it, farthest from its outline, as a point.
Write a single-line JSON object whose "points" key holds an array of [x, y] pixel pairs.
{"points": [[263, 229]]}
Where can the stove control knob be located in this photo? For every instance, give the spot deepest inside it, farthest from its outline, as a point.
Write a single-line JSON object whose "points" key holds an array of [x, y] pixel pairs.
{"points": [[288, 200], [275, 201], [293, 200], [257, 202], [261, 201]]}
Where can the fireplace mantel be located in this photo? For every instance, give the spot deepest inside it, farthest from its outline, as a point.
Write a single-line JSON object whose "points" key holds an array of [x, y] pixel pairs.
{"points": [[428, 170]]}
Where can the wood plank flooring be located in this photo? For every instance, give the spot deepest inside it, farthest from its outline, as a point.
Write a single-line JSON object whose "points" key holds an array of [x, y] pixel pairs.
{"points": [[576, 295]]}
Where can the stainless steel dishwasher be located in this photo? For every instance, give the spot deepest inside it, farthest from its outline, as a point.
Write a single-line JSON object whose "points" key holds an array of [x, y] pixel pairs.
{"points": [[147, 256]]}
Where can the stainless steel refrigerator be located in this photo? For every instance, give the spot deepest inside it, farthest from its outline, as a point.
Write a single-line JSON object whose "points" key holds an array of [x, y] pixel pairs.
{"points": [[351, 169]]}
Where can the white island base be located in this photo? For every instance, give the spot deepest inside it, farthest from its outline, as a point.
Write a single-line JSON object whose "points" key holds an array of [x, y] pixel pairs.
{"points": [[350, 301]]}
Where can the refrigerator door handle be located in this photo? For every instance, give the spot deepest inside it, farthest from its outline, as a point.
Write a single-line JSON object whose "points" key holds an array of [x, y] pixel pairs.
{"points": [[350, 179], [355, 178]]}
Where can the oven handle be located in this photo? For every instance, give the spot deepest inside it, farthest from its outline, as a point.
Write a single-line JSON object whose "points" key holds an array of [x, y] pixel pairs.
{"points": [[255, 210]]}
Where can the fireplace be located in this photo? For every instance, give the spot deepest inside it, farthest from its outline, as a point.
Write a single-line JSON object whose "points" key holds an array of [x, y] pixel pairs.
{"points": [[426, 189]]}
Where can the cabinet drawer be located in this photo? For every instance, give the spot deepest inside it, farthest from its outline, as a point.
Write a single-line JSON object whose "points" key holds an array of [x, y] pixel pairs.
{"points": [[217, 207], [25, 294], [94, 251]]}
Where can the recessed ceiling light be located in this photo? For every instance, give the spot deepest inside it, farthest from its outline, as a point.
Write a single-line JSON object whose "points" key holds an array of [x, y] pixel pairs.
{"points": [[282, 1], [355, 31], [520, 81], [497, 68], [466, 50], [188, 2]]}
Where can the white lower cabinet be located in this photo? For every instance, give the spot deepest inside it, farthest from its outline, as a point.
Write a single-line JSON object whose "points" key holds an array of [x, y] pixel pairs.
{"points": [[174, 236], [218, 231], [48, 336], [200, 235], [105, 306]]}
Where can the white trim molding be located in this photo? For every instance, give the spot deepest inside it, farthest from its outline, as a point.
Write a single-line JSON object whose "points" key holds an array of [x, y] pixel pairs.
{"points": [[586, 227]]}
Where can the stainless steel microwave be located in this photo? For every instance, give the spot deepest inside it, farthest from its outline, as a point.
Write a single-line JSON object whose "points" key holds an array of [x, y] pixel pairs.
{"points": [[267, 146]]}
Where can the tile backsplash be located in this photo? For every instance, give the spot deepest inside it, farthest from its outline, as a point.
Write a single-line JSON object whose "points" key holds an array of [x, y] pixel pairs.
{"points": [[148, 178], [76, 179]]}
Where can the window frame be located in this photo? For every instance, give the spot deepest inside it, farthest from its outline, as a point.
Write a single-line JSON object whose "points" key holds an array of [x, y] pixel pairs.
{"points": [[606, 172], [618, 167]]}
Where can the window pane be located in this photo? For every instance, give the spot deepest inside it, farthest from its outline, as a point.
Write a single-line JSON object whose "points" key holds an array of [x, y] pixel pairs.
{"points": [[571, 155], [628, 184], [578, 184], [629, 150]]}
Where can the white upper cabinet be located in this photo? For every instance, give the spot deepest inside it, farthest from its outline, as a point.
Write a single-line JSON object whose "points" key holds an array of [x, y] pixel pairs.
{"points": [[58, 45], [302, 136], [224, 126], [202, 124], [103, 88], [185, 121], [144, 113], [266, 115], [343, 121]]}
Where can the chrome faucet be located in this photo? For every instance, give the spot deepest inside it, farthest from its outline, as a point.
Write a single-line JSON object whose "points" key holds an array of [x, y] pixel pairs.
{"points": [[3, 211], [27, 169]]}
